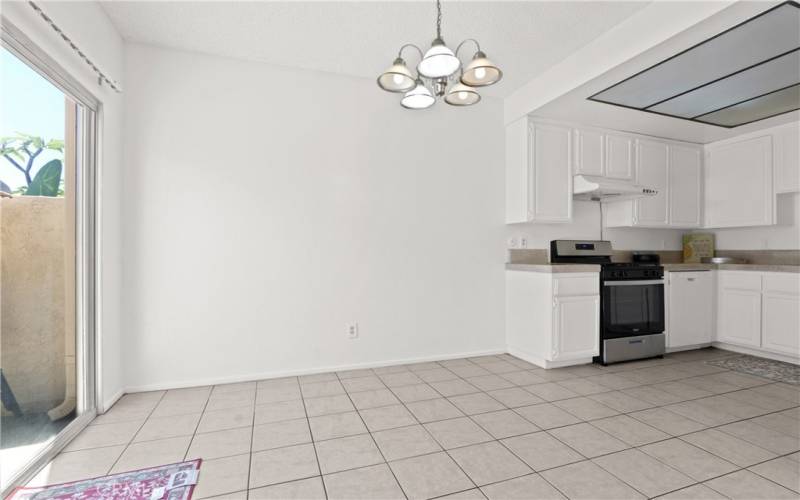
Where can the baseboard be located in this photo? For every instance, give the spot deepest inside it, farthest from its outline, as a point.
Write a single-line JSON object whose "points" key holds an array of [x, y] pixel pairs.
{"points": [[300, 372], [108, 403], [688, 347], [543, 363], [756, 352]]}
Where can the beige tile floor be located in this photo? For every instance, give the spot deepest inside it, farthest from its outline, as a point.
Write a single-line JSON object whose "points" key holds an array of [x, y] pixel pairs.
{"points": [[490, 427]]}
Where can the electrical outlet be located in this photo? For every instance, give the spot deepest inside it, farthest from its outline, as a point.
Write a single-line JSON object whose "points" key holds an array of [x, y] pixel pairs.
{"points": [[513, 243], [352, 331], [523, 242]]}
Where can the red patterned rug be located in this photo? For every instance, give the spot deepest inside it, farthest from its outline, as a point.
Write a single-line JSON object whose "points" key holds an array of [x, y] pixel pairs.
{"points": [[166, 482]]}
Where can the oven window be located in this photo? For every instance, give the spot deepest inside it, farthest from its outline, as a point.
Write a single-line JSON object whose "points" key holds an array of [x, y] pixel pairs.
{"points": [[633, 310]]}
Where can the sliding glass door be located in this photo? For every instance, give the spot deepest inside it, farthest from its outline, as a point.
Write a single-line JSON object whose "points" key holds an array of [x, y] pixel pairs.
{"points": [[47, 131]]}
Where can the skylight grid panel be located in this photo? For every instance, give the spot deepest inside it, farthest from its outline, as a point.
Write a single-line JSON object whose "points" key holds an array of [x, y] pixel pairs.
{"points": [[766, 106], [762, 79], [753, 42]]}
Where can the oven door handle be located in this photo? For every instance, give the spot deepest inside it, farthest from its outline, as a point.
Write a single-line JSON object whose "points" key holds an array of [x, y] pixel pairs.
{"points": [[633, 282]]}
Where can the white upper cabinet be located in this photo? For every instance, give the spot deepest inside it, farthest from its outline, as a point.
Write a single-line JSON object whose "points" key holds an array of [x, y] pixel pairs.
{"points": [[589, 155], [786, 148], [685, 181], [738, 183], [538, 172], [619, 157], [652, 158]]}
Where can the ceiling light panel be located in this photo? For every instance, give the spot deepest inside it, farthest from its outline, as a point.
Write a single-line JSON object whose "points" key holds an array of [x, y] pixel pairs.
{"points": [[758, 80], [746, 62], [756, 109]]}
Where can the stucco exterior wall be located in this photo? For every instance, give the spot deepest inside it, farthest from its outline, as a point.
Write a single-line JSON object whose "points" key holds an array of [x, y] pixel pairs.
{"points": [[32, 299]]}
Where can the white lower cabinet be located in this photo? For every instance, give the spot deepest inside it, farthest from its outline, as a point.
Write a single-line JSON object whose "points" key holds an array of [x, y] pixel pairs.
{"points": [[690, 299], [553, 319], [759, 310]]}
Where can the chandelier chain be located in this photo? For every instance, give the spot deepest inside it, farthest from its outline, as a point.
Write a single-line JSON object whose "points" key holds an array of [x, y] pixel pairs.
{"points": [[438, 19]]}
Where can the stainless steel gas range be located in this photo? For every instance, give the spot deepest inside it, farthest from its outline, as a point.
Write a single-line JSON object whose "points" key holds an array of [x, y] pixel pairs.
{"points": [[631, 300]]}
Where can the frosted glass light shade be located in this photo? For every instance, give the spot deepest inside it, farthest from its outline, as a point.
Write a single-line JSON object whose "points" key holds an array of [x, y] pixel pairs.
{"points": [[397, 78], [481, 72], [418, 98], [439, 61], [462, 95]]}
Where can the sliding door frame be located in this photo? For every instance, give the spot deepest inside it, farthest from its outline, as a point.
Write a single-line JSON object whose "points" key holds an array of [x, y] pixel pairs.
{"points": [[86, 248]]}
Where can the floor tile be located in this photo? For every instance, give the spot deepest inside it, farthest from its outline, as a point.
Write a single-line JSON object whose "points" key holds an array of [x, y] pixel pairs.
{"points": [[630, 430], [405, 442], [283, 464], [347, 453], [433, 410], [178, 407], [304, 489], [373, 399], [470, 370], [583, 386], [745, 485], [499, 367], [620, 401], [77, 465], [455, 387], [319, 389], [167, 427], [423, 366], [542, 451], [523, 377], [221, 420], [643, 472], [682, 391], [696, 492], [368, 483], [780, 423], [220, 444], [653, 395], [667, 421], [362, 384], [691, 460], [472, 404], [400, 379], [587, 440], [387, 417], [327, 405], [782, 391], [317, 377], [411, 393], [551, 391], [547, 416], [277, 394], [783, 471], [275, 412], [504, 423], [489, 382], [279, 434], [728, 447], [234, 387], [223, 475], [761, 436], [95, 436], [385, 370], [472, 494], [437, 375], [152, 454], [515, 397], [613, 381], [587, 481], [235, 399], [703, 413], [361, 372], [489, 463], [739, 409], [765, 401], [457, 432], [585, 408], [336, 425], [530, 487], [430, 476], [710, 385]]}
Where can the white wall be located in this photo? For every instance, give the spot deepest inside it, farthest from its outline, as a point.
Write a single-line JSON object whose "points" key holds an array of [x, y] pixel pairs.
{"points": [[104, 46], [585, 225], [265, 208]]}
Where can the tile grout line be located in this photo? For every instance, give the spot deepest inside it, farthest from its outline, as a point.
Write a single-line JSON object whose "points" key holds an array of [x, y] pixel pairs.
{"points": [[313, 443], [127, 445]]}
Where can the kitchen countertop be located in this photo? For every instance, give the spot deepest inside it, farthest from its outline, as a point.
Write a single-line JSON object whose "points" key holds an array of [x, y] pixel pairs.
{"points": [[554, 268], [776, 268]]}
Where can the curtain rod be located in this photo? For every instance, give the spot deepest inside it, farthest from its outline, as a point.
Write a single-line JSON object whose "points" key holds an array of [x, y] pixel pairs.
{"points": [[101, 77]]}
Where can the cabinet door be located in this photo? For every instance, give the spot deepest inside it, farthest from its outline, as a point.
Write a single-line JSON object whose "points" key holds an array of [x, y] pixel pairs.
{"points": [[576, 327], [787, 159], [690, 302], [685, 170], [551, 178], [589, 156], [780, 319], [619, 157], [651, 171], [738, 184], [739, 313]]}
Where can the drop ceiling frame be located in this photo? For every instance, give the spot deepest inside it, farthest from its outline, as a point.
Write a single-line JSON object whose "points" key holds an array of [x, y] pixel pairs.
{"points": [[697, 118]]}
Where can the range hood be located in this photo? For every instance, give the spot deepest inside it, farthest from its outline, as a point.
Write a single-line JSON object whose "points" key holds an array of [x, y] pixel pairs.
{"points": [[589, 187]]}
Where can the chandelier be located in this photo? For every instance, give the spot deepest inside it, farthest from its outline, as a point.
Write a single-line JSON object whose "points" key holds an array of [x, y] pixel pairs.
{"points": [[436, 74]]}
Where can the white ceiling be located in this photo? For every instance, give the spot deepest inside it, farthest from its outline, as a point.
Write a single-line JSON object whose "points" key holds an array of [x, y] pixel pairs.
{"points": [[362, 38]]}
